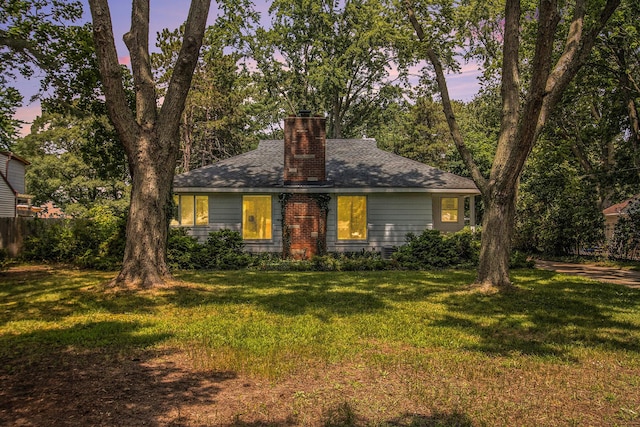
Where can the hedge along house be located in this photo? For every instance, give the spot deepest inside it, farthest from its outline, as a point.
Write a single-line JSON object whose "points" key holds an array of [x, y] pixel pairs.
{"points": [[308, 195]]}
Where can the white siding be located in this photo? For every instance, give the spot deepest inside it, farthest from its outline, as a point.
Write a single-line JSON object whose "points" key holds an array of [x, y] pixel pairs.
{"points": [[390, 216], [16, 176], [7, 200]]}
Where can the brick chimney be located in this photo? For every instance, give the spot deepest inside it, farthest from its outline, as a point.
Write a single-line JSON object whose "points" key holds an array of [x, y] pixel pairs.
{"points": [[304, 149]]}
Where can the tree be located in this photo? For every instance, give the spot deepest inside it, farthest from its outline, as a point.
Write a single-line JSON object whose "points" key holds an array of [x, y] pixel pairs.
{"points": [[558, 211], [33, 34], [77, 162], [328, 56], [217, 121], [150, 137], [545, 75]]}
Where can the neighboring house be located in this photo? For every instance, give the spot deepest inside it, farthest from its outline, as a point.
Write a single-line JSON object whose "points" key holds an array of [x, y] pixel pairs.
{"points": [[307, 195], [13, 200], [49, 210], [613, 213]]}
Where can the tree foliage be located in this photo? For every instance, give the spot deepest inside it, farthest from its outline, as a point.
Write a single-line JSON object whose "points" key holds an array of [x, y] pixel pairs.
{"points": [[558, 211], [218, 121], [626, 234], [328, 56], [34, 34], [77, 163]]}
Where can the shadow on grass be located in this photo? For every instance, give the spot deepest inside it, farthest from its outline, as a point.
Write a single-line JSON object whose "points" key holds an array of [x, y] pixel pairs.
{"points": [[322, 293], [548, 316], [344, 415], [47, 294], [91, 387]]}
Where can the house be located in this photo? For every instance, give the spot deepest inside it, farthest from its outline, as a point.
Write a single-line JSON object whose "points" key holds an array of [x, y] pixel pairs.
{"points": [[613, 213], [308, 195], [13, 200]]}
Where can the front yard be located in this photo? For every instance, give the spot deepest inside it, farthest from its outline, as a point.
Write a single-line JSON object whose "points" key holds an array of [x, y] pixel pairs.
{"points": [[250, 348]]}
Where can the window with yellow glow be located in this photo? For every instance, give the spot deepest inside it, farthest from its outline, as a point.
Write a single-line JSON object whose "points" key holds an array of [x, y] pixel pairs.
{"points": [[256, 217], [186, 210], [352, 218], [191, 210], [449, 209], [202, 210]]}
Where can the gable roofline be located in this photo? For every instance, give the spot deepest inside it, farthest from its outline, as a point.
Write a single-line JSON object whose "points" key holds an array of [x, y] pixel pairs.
{"points": [[620, 208], [12, 156]]}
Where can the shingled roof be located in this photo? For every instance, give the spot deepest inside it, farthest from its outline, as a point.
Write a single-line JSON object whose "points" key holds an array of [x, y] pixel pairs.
{"points": [[351, 163]]}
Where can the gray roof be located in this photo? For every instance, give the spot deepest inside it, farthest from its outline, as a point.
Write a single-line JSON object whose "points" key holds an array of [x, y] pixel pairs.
{"points": [[351, 163]]}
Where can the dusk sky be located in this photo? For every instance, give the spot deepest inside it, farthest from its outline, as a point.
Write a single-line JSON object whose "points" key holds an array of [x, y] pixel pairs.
{"points": [[172, 13]]}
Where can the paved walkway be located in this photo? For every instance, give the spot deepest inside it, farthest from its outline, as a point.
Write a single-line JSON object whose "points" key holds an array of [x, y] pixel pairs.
{"points": [[604, 274]]}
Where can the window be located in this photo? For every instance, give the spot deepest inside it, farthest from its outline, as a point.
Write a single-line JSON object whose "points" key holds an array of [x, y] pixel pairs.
{"points": [[449, 209], [191, 210], [256, 217], [352, 218]]}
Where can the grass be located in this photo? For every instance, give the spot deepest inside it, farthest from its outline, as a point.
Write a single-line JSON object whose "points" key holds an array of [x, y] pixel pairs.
{"points": [[398, 348]]}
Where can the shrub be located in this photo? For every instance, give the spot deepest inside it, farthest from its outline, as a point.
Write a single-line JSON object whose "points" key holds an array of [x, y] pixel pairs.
{"points": [[351, 261], [223, 250], [433, 249], [93, 242], [182, 250], [520, 260]]}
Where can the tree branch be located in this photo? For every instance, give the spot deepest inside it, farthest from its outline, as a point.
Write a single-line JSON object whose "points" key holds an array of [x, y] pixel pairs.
{"points": [[456, 134], [185, 65], [577, 50], [111, 73], [137, 41]]}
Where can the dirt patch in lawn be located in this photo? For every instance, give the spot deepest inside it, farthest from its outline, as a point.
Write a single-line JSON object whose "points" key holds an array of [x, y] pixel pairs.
{"points": [[161, 388]]}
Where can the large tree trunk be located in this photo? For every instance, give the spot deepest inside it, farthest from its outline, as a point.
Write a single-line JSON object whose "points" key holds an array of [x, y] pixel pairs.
{"points": [[497, 232], [144, 262], [150, 136]]}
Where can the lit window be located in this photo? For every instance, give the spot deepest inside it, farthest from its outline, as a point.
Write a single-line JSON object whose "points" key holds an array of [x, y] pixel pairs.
{"points": [[352, 218], [256, 217], [449, 209], [192, 210], [186, 210], [202, 210]]}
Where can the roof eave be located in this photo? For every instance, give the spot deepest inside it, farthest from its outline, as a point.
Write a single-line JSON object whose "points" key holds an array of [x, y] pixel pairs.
{"points": [[461, 191]]}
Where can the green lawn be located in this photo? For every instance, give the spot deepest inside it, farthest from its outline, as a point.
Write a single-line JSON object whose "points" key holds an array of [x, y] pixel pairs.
{"points": [[377, 348]]}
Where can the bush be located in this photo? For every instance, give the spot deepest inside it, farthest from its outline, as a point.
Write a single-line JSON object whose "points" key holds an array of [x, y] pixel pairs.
{"points": [[223, 250], [183, 251], [351, 261], [520, 260], [94, 242], [433, 249]]}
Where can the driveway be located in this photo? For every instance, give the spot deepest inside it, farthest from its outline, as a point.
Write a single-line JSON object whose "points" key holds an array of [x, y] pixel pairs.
{"points": [[603, 274]]}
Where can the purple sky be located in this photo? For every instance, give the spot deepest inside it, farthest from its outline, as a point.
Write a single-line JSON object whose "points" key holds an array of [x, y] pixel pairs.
{"points": [[172, 13]]}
